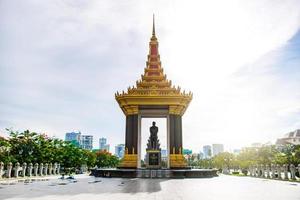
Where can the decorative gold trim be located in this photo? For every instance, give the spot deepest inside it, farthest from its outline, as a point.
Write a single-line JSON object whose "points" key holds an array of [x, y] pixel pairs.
{"points": [[130, 109], [129, 161], [177, 161], [177, 104], [153, 151]]}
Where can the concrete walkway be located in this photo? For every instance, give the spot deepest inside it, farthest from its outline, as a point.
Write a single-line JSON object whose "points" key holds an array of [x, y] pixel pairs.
{"points": [[33, 178], [90, 188]]}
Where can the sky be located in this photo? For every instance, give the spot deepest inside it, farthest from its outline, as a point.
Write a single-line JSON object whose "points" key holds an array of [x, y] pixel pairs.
{"points": [[62, 61]]}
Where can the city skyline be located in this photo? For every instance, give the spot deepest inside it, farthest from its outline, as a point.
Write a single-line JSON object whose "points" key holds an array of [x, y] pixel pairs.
{"points": [[239, 77], [201, 150]]}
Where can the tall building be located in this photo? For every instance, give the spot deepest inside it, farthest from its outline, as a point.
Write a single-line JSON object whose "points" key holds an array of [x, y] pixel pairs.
{"points": [[102, 144], [120, 150], [82, 141], [164, 153], [74, 138], [217, 148], [290, 138], [207, 151], [164, 158], [87, 142], [201, 155]]}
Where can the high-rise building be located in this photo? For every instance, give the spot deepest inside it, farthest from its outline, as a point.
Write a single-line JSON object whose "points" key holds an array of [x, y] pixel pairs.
{"points": [[74, 138], [87, 142], [164, 153], [106, 147], [217, 148], [207, 151], [102, 144], [292, 138], [120, 150], [82, 141], [201, 155], [164, 158]]}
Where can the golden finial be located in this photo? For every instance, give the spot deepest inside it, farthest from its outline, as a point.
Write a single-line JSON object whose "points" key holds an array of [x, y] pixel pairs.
{"points": [[153, 28]]}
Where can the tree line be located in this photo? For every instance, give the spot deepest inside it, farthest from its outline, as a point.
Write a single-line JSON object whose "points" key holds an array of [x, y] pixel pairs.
{"points": [[267, 154], [32, 147]]}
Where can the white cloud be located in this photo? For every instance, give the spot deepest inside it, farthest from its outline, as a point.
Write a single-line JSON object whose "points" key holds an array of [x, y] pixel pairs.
{"points": [[62, 61]]}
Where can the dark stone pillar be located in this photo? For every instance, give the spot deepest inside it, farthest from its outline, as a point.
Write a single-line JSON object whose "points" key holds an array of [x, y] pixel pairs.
{"points": [[172, 131], [178, 137], [131, 140], [175, 133]]}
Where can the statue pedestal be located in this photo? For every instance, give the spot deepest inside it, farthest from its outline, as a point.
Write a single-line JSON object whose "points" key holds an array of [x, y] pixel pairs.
{"points": [[129, 161], [177, 161], [153, 159]]}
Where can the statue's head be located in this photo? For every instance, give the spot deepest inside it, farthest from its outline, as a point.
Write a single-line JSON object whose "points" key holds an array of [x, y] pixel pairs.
{"points": [[153, 123]]}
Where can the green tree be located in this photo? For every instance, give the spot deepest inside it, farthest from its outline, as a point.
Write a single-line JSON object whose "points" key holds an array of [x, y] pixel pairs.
{"points": [[106, 159], [224, 159], [204, 163], [266, 154], [288, 154], [89, 158], [5, 147], [31, 147], [248, 156]]}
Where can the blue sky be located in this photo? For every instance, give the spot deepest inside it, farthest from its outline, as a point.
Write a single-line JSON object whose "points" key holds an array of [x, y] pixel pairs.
{"points": [[62, 61]]}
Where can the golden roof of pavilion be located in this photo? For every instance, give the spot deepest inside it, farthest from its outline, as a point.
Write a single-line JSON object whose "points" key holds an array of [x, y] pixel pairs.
{"points": [[153, 89]]}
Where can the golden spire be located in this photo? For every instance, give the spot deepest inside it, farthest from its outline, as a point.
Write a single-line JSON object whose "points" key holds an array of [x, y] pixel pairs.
{"points": [[153, 88], [153, 28]]}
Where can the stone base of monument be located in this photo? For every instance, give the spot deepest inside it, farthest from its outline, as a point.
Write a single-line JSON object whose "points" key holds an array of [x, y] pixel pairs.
{"points": [[154, 173]]}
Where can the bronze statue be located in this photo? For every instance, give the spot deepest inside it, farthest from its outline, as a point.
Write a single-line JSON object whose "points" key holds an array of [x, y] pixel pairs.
{"points": [[153, 157], [153, 142]]}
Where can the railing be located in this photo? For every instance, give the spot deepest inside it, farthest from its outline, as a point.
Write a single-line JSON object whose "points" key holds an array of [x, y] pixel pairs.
{"points": [[29, 170], [273, 171], [284, 172]]}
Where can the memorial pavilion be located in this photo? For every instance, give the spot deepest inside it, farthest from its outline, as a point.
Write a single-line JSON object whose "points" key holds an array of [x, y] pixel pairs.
{"points": [[154, 96]]}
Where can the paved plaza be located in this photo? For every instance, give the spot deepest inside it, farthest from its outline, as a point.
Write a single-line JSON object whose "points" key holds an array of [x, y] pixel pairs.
{"points": [[90, 188]]}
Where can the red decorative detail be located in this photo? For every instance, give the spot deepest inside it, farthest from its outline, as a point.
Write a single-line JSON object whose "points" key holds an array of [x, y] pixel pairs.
{"points": [[154, 50]]}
